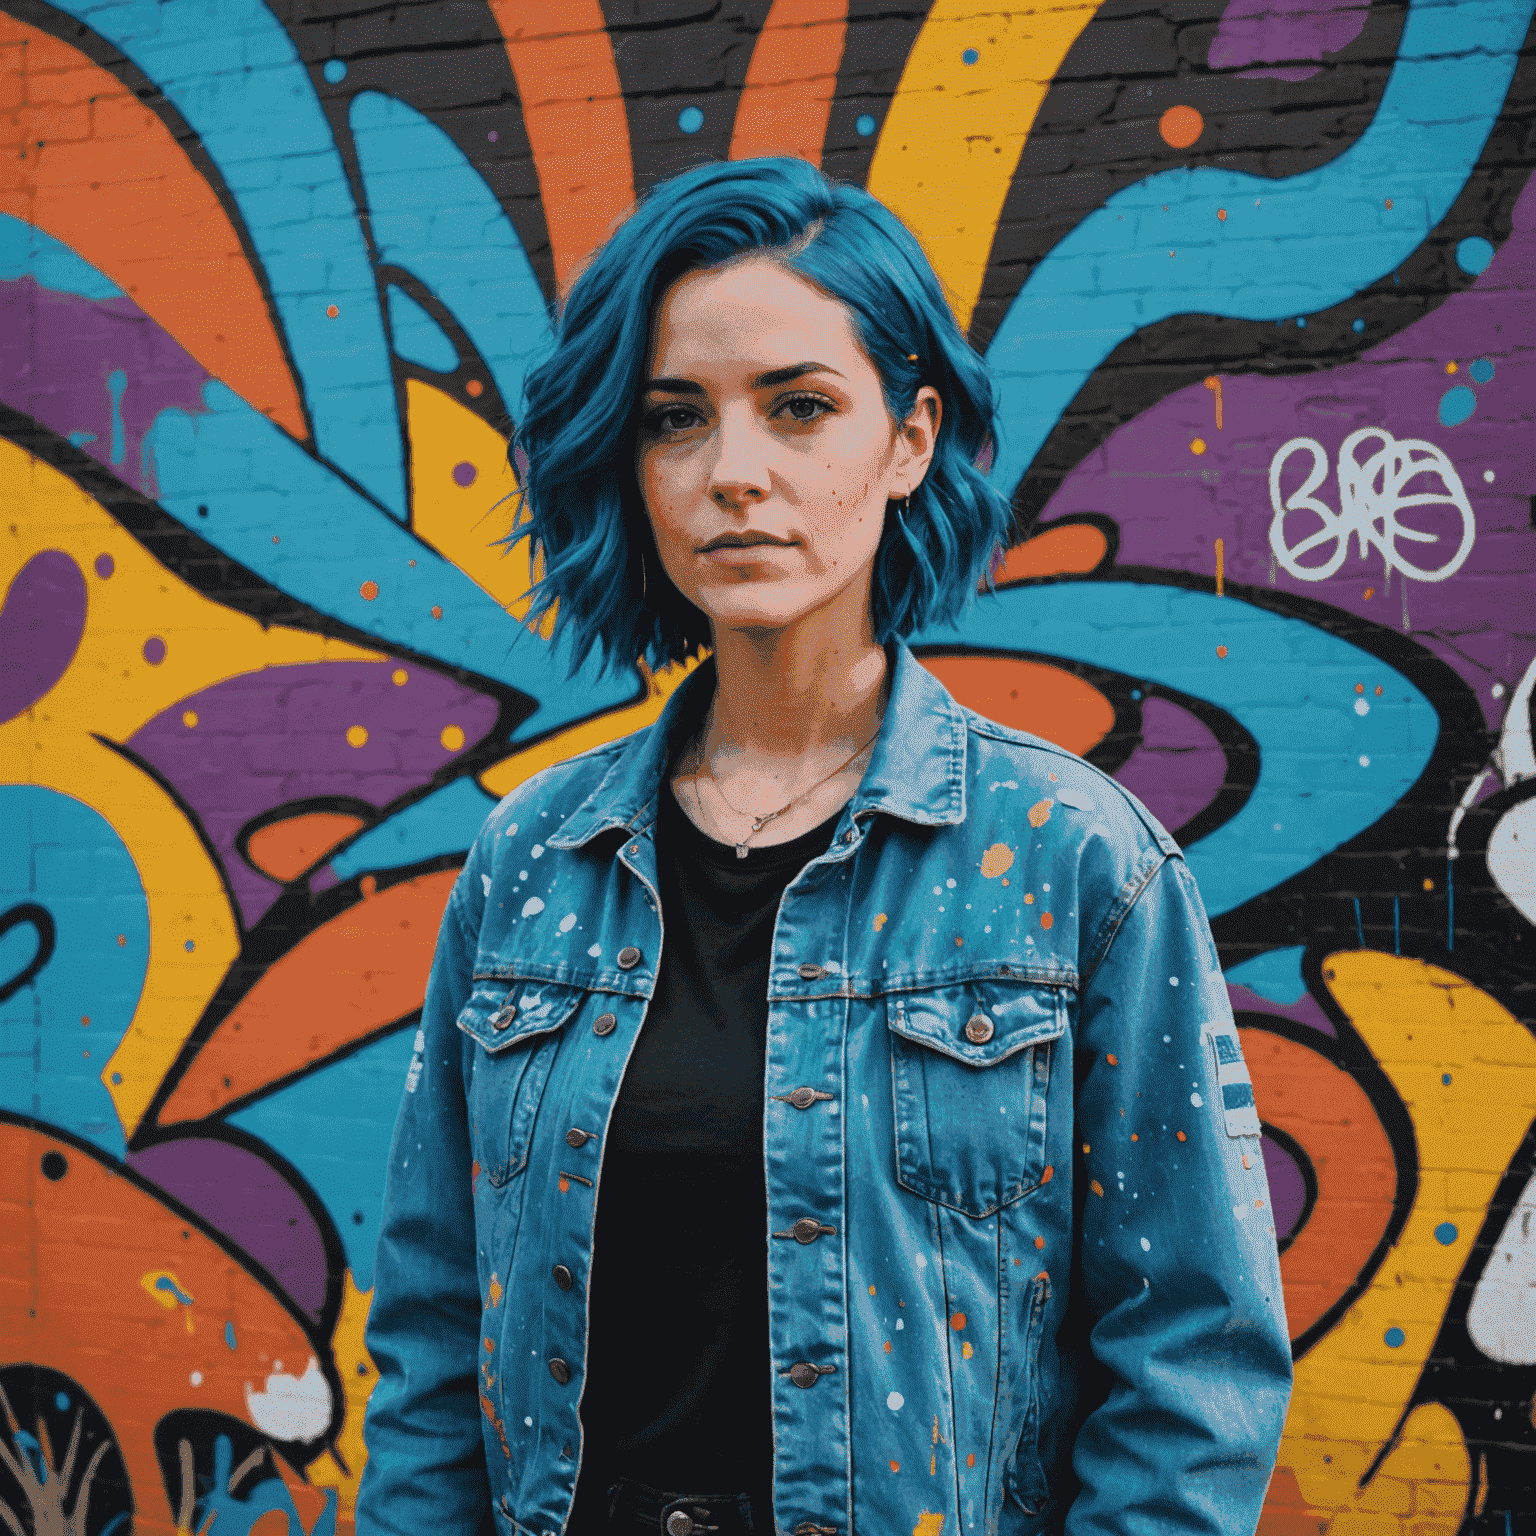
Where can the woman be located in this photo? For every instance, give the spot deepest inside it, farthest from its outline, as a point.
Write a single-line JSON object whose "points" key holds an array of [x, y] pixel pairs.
{"points": [[827, 1115]]}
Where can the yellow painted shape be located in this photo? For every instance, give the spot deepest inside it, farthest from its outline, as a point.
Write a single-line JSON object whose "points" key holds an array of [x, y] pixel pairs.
{"points": [[1422, 1023], [954, 131], [110, 690], [460, 522], [503, 777], [168, 1299], [349, 1353], [928, 1524]]}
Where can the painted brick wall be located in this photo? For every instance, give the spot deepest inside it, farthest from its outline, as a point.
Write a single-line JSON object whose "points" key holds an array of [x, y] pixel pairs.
{"points": [[1258, 280]]}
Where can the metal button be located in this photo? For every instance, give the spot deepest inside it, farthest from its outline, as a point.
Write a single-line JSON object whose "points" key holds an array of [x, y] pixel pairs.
{"points": [[564, 1279], [808, 1229], [804, 1374], [849, 835], [604, 1024], [629, 958], [678, 1524], [503, 1017], [811, 971], [577, 1138], [559, 1370], [803, 1098], [810, 1528], [978, 1029]]}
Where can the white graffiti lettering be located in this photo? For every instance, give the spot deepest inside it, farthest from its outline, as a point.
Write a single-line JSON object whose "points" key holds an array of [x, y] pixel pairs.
{"points": [[1371, 495]]}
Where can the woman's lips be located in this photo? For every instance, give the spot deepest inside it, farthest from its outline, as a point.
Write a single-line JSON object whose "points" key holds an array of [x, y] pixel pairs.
{"points": [[742, 554]]}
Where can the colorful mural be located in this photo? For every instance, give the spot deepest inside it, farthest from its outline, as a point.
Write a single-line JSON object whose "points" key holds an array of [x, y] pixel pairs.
{"points": [[1258, 280]]}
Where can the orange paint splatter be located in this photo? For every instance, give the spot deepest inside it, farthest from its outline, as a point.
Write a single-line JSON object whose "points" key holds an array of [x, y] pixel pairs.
{"points": [[928, 1524], [332, 311], [933, 1465], [565, 1184], [871, 1290], [1135, 1137], [1180, 126], [959, 942], [1197, 446], [879, 921], [1029, 897], [1049, 1174], [1221, 651], [1429, 885], [490, 1345], [895, 1466], [1370, 592], [1389, 202], [1221, 566], [887, 1346], [474, 389], [437, 612], [1182, 1136], [966, 1351], [1096, 1187], [488, 1408], [1378, 690], [1221, 213], [970, 1460], [1451, 368], [1046, 920], [1039, 1243], [957, 1322], [997, 860], [1246, 1163], [368, 591], [1039, 813], [495, 1291], [1258, 1205], [1114, 1061]]}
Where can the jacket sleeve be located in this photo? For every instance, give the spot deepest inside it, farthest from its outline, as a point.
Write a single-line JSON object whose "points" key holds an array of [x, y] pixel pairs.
{"points": [[426, 1457], [1179, 1268]]}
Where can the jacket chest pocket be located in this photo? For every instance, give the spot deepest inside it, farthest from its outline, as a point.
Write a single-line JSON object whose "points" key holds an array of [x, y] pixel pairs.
{"points": [[970, 1074], [516, 1026]]}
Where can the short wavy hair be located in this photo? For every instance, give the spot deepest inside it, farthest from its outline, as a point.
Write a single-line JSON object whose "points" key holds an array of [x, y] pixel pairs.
{"points": [[594, 555]]}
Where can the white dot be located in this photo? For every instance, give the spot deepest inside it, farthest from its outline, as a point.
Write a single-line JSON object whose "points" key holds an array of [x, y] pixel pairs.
{"points": [[196, 1378], [1046, 886], [920, 1261], [532, 907], [1277, 826], [1497, 690], [528, 1420], [595, 951], [1173, 981], [1365, 762], [895, 1402], [1488, 476], [1167, 1038], [522, 874], [537, 850], [987, 929], [1197, 1101], [512, 830], [950, 884], [1146, 1247], [1361, 707], [938, 890], [899, 1325], [567, 922]]}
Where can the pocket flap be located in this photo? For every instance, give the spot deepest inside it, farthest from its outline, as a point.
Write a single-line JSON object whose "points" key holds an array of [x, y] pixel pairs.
{"points": [[979, 1022], [500, 1013]]}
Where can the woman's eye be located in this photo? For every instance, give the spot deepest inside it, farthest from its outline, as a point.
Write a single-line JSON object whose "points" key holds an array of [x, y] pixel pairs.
{"points": [[806, 407], [671, 418]]}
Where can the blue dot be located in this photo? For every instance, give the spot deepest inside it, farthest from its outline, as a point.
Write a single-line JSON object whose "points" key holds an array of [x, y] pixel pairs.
{"points": [[1473, 254], [691, 119], [1301, 322], [229, 1334], [1135, 693], [1456, 405], [1482, 370], [117, 1078], [1445, 1078], [864, 124], [1394, 1338], [190, 945], [1357, 326], [61, 1402], [335, 71], [1445, 1233], [970, 56]]}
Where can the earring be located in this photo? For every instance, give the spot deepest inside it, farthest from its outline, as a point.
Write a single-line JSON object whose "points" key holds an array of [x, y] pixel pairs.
{"points": [[642, 575]]}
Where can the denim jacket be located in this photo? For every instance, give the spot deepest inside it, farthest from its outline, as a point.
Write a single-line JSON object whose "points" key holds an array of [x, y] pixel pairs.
{"points": [[1020, 1259]]}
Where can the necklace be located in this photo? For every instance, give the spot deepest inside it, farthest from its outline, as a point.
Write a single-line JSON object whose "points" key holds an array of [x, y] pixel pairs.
{"points": [[701, 764]]}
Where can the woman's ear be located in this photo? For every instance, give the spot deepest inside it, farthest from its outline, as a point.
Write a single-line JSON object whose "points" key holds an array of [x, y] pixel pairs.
{"points": [[916, 439]]}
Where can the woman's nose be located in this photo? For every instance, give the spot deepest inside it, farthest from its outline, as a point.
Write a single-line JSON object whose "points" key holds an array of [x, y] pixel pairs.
{"points": [[740, 473]]}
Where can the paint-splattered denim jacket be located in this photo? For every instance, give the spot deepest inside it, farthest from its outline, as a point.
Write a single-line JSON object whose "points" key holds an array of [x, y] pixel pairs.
{"points": [[1020, 1261]]}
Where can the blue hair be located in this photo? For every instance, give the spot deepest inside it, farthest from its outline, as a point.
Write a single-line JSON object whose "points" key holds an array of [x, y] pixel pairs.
{"points": [[594, 553]]}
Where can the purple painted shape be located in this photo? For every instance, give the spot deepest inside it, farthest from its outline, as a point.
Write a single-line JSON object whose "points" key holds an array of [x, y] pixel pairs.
{"points": [[464, 474], [278, 735], [1172, 505], [1283, 31], [1178, 767], [1305, 1010], [41, 622], [56, 352], [1287, 1188], [250, 1202]]}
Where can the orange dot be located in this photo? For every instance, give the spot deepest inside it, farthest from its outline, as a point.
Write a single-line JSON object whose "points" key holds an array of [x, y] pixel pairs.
{"points": [[1221, 651], [895, 1466], [887, 1346], [1182, 1136], [452, 737], [122, 939], [957, 1322], [189, 719], [1450, 367], [959, 942], [565, 1184], [368, 591], [1221, 213], [1389, 202], [1029, 898], [1197, 447], [1180, 126], [970, 1460], [1096, 1187], [1086, 1149], [474, 389], [1049, 1174], [1370, 592], [399, 677], [1039, 1242], [368, 885], [1134, 1136], [1112, 1059], [437, 612], [357, 735], [332, 311], [1359, 687], [871, 1290], [1005, 879], [1378, 690], [1429, 885], [1046, 919]]}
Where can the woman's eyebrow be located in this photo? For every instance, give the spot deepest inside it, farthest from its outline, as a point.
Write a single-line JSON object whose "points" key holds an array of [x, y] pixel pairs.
{"points": [[674, 386], [795, 371]]}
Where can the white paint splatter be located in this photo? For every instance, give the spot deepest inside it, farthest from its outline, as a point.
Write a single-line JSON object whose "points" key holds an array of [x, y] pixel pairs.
{"points": [[522, 874], [567, 922], [1197, 1101], [1146, 1247], [998, 784], [899, 1325], [528, 1420], [922, 1263], [512, 830], [895, 1402], [950, 884], [537, 850], [1173, 981], [196, 1378], [532, 907], [595, 951], [291, 1407], [485, 882]]}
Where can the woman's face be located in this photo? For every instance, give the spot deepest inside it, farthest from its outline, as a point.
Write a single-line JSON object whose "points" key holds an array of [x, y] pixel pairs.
{"points": [[766, 455]]}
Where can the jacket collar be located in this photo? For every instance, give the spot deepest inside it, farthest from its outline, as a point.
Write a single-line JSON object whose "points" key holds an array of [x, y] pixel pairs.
{"points": [[916, 772]]}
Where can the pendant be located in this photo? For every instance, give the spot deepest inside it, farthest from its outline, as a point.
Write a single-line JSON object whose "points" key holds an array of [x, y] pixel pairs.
{"points": [[741, 850]]}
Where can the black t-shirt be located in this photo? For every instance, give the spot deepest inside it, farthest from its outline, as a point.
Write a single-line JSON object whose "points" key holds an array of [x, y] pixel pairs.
{"points": [[678, 1371]]}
